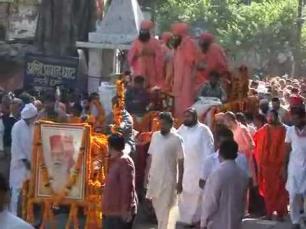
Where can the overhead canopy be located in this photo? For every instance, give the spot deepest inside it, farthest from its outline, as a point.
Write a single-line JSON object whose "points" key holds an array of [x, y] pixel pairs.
{"points": [[120, 24]]}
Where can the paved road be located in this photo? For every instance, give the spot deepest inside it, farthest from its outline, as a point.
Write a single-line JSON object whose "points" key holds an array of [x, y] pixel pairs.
{"points": [[247, 224]]}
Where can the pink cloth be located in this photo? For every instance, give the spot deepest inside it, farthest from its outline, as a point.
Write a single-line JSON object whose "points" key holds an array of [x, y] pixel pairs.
{"points": [[166, 36], [184, 73], [180, 28], [243, 138], [208, 37], [147, 24], [146, 59], [215, 59], [246, 146], [167, 68]]}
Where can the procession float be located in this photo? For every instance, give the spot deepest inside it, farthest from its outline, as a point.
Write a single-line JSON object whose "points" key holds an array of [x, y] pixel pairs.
{"points": [[69, 166]]}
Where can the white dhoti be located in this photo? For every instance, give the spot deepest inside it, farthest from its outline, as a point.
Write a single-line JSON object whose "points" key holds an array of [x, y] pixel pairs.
{"points": [[163, 204], [199, 144], [296, 186], [190, 208]]}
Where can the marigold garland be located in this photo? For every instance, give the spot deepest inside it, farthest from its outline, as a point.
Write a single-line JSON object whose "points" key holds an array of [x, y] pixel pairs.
{"points": [[96, 146], [120, 106]]}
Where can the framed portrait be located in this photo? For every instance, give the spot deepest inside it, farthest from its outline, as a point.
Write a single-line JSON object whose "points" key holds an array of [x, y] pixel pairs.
{"points": [[62, 158]]}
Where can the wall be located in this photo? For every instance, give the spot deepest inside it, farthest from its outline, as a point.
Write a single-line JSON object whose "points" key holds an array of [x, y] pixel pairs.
{"points": [[19, 18], [17, 29]]}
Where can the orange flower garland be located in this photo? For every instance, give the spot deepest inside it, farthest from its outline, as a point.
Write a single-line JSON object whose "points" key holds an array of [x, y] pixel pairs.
{"points": [[120, 106], [96, 170]]}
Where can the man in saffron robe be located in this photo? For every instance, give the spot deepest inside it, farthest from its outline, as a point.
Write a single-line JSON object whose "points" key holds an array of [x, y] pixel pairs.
{"points": [[184, 62], [145, 56], [211, 58], [270, 154], [168, 54]]}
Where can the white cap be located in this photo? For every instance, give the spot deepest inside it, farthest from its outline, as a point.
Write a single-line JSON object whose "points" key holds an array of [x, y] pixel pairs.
{"points": [[29, 111]]}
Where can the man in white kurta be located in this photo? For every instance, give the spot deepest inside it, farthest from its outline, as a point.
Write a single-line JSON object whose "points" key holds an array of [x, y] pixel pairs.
{"points": [[165, 169], [22, 137], [296, 181], [198, 145], [225, 192]]}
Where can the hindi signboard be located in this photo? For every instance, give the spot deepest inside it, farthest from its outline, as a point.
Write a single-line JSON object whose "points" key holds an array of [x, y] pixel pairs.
{"points": [[43, 72]]}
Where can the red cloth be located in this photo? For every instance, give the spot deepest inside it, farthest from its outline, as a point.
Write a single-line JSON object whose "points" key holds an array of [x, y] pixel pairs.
{"points": [[180, 29], [147, 25], [213, 60], [167, 68], [166, 36], [207, 37], [119, 194], [270, 156], [184, 60], [295, 101], [146, 59]]}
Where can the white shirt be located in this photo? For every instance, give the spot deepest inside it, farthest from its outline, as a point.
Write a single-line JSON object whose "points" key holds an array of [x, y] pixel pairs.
{"points": [[165, 152], [296, 182], [22, 139], [198, 145], [9, 221], [212, 163]]}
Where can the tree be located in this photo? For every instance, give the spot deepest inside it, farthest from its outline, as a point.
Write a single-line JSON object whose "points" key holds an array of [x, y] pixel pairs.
{"points": [[63, 22], [261, 26]]}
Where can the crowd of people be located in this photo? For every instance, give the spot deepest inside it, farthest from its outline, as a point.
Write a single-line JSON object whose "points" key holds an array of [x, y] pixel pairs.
{"points": [[245, 164], [258, 167]]}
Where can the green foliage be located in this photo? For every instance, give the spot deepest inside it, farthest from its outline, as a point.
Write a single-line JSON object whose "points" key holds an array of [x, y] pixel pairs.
{"points": [[263, 25]]}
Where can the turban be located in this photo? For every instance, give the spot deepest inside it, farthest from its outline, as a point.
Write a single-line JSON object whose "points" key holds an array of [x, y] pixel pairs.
{"points": [[296, 101], [64, 143], [207, 37], [147, 25], [180, 28], [166, 36], [29, 111], [192, 111], [60, 144]]}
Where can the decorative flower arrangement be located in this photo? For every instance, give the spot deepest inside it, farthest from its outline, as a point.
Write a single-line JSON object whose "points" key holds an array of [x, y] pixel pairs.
{"points": [[120, 106], [94, 151]]}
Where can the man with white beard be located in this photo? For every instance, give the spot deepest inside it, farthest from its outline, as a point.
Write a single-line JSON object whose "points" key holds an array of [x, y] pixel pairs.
{"points": [[199, 144], [62, 151]]}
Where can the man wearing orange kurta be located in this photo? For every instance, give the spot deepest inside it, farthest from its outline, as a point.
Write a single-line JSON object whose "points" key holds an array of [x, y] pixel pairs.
{"points": [[145, 56], [184, 62], [270, 156], [211, 58]]}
